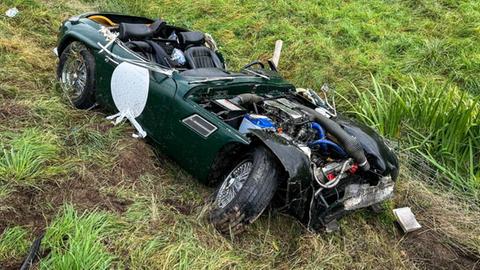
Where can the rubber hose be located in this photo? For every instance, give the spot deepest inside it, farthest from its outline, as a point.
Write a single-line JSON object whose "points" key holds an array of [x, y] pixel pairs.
{"points": [[349, 143], [319, 129], [335, 146], [243, 99], [320, 133]]}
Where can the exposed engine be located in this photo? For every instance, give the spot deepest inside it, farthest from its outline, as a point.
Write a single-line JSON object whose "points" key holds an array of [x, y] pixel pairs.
{"points": [[342, 177], [330, 160]]}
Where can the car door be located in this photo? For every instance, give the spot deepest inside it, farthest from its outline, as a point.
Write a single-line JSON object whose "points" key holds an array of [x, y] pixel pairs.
{"points": [[156, 118], [196, 135]]}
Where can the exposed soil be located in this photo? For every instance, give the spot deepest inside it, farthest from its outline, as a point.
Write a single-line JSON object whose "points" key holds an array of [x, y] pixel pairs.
{"points": [[135, 160], [12, 109], [34, 208], [22, 210], [429, 250]]}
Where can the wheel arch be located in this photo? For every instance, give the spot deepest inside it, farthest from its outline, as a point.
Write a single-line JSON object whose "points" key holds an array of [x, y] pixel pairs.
{"points": [[224, 159], [290, 165], [74, 36]]}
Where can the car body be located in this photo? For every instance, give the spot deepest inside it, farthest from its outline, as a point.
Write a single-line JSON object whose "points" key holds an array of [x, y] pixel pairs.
{"points": [[185, 107]]}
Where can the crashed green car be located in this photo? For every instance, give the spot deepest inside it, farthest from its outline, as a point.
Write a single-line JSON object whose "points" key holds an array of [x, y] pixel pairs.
{"points": [[252, 134]]}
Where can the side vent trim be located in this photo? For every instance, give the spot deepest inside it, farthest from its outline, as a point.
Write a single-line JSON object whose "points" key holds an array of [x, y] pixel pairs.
{"points": [[199, 125]]}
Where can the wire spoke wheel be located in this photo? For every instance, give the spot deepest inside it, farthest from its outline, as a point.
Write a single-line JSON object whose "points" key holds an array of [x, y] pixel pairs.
{"points": [[73, 77], [246, 191], [233, 183]]}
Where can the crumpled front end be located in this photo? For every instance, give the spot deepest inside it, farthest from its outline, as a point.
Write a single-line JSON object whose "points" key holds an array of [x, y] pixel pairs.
{"points": [[319, 207], [332, 165]]}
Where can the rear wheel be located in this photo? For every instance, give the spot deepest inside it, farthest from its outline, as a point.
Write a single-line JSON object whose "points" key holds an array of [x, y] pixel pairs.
{"points": [[246, 191], [76, 73]]}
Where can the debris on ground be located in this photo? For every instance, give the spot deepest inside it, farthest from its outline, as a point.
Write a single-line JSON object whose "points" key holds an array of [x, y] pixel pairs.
{"points": [[406, 219], [11, 12]]}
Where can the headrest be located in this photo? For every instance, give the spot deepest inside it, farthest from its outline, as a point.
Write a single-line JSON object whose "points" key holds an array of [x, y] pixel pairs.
{"points": [[191, 38], [136, 31]]}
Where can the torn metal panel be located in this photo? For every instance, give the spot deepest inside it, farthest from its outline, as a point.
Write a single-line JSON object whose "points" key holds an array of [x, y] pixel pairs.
{"points": [[363, 195]]}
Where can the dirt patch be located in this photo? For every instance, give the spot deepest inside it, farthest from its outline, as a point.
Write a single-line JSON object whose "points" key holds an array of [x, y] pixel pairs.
{"points": [[33, 208], [136, 159], [181, 207], [22, 210], [103, 127], [85, 195], [429, 250]]}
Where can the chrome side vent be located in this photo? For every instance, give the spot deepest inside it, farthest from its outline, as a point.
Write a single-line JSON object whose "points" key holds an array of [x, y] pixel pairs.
{"points": [[199, 125]]}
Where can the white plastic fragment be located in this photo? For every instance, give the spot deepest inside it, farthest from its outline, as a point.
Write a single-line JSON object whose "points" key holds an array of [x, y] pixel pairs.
{"points": [[129, 86], [406, 219], [12, 12], [277, 52]]}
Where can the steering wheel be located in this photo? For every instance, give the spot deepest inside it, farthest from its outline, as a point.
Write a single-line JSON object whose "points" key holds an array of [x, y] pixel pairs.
{"points": [[256, 62]]}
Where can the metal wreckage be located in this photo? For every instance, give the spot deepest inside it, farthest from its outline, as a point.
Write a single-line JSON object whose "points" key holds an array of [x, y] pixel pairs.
{"points": [[252, 134]]}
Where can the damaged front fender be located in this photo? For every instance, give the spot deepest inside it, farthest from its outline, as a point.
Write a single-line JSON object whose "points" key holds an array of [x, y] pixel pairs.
{"points": [[298, 193], [296, 163]]}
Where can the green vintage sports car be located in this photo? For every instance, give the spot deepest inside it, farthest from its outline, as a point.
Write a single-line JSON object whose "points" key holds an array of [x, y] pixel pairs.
{"points": [[252, 134]]}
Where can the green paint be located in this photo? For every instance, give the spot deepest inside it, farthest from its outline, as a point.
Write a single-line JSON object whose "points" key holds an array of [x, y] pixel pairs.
{"points": [[170, 100]]}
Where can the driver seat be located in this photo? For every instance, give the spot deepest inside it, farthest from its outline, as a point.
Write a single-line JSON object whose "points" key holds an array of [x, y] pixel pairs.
{"points": [[202, 57]]}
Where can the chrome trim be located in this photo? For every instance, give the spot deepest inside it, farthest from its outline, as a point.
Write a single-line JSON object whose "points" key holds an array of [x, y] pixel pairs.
{"points": [[204, 129]]}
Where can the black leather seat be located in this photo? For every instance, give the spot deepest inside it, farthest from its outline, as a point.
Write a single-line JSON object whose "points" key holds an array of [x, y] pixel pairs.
{"points": [[202, 57], [196, 54], [139, 31], [150, 49]]}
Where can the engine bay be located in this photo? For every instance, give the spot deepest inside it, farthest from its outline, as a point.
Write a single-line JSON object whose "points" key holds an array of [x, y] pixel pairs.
{"points": [[283, 116], [342, 178]]}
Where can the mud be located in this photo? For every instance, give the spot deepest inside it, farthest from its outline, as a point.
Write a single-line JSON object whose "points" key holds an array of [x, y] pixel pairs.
{"points": [[429, 250], [136, 159]]}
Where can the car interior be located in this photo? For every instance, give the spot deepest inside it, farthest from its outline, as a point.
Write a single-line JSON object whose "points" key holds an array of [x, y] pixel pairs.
{"points": [[189, 52]]}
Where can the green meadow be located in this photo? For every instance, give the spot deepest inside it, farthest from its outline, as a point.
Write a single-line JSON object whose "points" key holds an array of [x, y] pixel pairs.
{"points": [[105, 200]]}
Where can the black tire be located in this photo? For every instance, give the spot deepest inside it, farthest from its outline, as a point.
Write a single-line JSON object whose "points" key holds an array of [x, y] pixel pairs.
{"points": [[84, 97], [252, 198]]}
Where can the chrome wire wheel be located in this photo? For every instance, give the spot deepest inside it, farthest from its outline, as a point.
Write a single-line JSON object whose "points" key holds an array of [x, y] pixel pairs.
{"points": [[73, 77], [233, 183]]}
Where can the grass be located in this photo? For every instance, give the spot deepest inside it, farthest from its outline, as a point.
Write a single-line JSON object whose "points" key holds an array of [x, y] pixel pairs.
{"points": [[107, 201], [25, 159], [14, 242], [75, 241], [441, 125]]}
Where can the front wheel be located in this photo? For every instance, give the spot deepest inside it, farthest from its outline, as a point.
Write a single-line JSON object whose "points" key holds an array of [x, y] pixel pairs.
{"points": [[246, 191], [76, 73]]}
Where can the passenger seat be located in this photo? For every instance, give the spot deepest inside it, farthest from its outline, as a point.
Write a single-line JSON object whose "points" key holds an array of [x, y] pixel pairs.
{"points": [[196, 54]]}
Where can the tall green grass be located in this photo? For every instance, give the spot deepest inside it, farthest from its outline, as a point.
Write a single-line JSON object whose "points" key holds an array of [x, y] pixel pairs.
{"points": [[336, 41], [440, 124], [24, 157], [13, 243], [75, 241]]}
